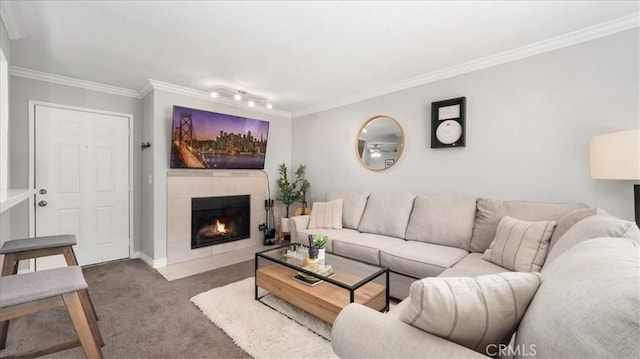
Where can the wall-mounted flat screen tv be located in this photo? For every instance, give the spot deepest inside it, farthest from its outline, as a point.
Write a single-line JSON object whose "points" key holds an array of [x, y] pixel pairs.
{"points": [[204, 139]]}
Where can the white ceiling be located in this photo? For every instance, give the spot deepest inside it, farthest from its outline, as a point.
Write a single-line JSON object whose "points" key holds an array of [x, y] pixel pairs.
{"points": [[300, 54]]}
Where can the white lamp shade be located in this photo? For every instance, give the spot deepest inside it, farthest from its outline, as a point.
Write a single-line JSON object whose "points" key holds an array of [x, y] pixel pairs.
{"points": [[616, 155]]}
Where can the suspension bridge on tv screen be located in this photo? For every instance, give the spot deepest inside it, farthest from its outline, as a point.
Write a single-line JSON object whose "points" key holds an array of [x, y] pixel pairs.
{"points": [[183, 143]]}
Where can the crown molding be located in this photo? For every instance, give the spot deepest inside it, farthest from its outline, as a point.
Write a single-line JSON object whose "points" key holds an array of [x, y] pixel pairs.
{"points": [[10, 20], [70, 81], [203, 95], [569, 39]]}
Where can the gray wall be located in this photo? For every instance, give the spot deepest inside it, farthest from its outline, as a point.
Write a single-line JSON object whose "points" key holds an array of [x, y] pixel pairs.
{"points": [[528, 128], [22, 91], [147, 243], [157, 165]]}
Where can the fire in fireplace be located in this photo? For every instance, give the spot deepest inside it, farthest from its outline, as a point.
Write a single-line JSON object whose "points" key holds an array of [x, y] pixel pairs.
{"points": [[216, 220]]}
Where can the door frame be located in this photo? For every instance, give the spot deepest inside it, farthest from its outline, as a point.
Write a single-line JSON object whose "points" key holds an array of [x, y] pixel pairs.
{"points": [[32, 162]]}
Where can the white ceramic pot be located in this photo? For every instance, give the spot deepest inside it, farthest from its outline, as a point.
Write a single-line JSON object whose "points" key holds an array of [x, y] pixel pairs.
{"points": [[284, 225]]}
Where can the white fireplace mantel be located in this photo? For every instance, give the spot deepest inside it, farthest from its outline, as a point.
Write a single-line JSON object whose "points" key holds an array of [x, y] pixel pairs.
{"points": [[182, 185]]}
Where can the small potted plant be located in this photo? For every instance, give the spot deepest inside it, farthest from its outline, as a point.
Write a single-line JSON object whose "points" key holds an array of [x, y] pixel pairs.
{"points": [[320, 241]]}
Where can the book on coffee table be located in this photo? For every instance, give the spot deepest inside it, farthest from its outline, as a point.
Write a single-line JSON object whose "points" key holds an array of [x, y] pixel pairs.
{"points": [[310, 281]]}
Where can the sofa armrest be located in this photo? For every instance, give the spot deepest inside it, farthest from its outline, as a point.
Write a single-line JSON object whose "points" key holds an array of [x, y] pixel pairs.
{"points": [[295, 223], [361, 332]]}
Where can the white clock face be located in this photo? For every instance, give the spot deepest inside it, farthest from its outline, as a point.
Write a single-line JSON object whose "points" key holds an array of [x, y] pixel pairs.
{"points": [[448, 132]]}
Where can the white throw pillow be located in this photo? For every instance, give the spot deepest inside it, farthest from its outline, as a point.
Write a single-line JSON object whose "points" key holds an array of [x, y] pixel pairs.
{"points": [[471, 311], [326, 214], [520, 245]]}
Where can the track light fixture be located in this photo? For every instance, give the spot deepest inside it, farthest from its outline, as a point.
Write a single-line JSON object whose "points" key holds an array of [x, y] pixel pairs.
{"points": [[249, 99]]}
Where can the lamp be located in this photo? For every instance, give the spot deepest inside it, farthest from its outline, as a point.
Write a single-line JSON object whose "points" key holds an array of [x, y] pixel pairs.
{"points": [[251, 100], [616, 156]]}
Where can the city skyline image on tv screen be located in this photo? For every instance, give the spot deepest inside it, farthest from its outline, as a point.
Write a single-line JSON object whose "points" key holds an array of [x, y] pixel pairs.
{"points": [[210, 140]]}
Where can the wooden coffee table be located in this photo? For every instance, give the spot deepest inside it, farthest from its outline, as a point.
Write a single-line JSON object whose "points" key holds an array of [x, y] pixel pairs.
{"points": [[353, 281]]}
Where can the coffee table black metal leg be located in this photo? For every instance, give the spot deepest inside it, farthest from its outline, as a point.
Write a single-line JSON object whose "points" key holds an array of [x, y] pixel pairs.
{"points": [[387, 296], [255, 277]]}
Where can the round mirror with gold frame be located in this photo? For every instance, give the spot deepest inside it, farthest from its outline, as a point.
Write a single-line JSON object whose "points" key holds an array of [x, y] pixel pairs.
{"points": [[379, 143]]}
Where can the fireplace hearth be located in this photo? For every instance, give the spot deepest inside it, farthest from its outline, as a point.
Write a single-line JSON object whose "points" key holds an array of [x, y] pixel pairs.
{"points": [[216, 220]]}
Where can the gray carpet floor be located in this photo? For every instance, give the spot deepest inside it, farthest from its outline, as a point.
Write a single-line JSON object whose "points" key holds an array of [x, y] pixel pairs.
{"points": [[142, 315]]}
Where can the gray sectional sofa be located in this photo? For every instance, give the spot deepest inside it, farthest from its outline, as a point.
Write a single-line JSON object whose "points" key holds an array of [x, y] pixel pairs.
{"points": [[581, 286], [418, 236]]}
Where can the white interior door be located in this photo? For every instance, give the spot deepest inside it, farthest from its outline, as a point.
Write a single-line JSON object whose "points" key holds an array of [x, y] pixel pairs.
{"points": [[82, 182]]}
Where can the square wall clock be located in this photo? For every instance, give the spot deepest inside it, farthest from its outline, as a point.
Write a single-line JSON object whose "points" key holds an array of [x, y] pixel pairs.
{"points": [[448, 123]]}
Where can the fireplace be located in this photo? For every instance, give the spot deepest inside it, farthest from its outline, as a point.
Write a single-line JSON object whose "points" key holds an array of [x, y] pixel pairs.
{"points": [[216, 220]]}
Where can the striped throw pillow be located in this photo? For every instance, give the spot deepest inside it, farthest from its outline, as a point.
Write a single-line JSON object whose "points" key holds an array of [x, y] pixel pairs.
{"points": [[326, 215], [476, 312], [520, 245]]}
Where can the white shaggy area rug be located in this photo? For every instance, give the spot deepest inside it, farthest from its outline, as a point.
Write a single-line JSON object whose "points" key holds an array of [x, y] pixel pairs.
{"points": [[274, 330]]}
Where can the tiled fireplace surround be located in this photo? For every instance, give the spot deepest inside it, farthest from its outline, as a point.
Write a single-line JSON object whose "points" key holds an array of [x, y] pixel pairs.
{"points": [[184, 185]]}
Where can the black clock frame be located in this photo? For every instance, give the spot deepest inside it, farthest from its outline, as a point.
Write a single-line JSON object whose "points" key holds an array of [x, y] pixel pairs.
{"points": [[435, 121]]}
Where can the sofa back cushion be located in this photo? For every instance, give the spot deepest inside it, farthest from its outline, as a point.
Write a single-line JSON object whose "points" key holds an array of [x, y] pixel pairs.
{"points": [[442, 220], [568, 220], [489, 213], [352, 207], [589, 228], [587, 305], [387, 214]]}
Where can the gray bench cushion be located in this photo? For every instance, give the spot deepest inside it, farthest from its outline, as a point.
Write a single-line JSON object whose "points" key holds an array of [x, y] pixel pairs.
{"points": [[420, 260], [29, 244], [472, 265], [28, 287], [364, 246]]}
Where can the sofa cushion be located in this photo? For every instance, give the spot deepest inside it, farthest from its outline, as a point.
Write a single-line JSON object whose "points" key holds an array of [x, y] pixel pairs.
{"points": [[588, 304], [303, 235], [568, 220], [364, 246], [418, 259], [472, 265], [352, 207], [490, 212], [326, 214], [387, 214], [589, 228], [520, 245], [442, 220], [471, 311]]}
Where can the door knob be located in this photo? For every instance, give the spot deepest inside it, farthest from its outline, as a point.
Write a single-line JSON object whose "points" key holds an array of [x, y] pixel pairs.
{"points": [[42, 203], [43, 191]]}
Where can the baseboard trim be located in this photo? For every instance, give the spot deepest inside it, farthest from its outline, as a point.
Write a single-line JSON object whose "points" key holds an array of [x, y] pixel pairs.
{"points": [[153, 263]]}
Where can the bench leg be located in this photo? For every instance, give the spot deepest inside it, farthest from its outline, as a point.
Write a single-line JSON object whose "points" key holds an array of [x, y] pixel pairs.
{"points": [[70, 257], [4, 331], [88, 310], [9, 267], [81, 324]]}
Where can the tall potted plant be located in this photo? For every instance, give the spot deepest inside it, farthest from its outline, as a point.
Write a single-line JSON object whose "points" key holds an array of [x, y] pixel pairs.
{"points": [[290, 192]]}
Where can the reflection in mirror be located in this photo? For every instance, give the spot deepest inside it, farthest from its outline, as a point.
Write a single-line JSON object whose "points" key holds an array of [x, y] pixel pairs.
{"points": [[380, 143]]}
